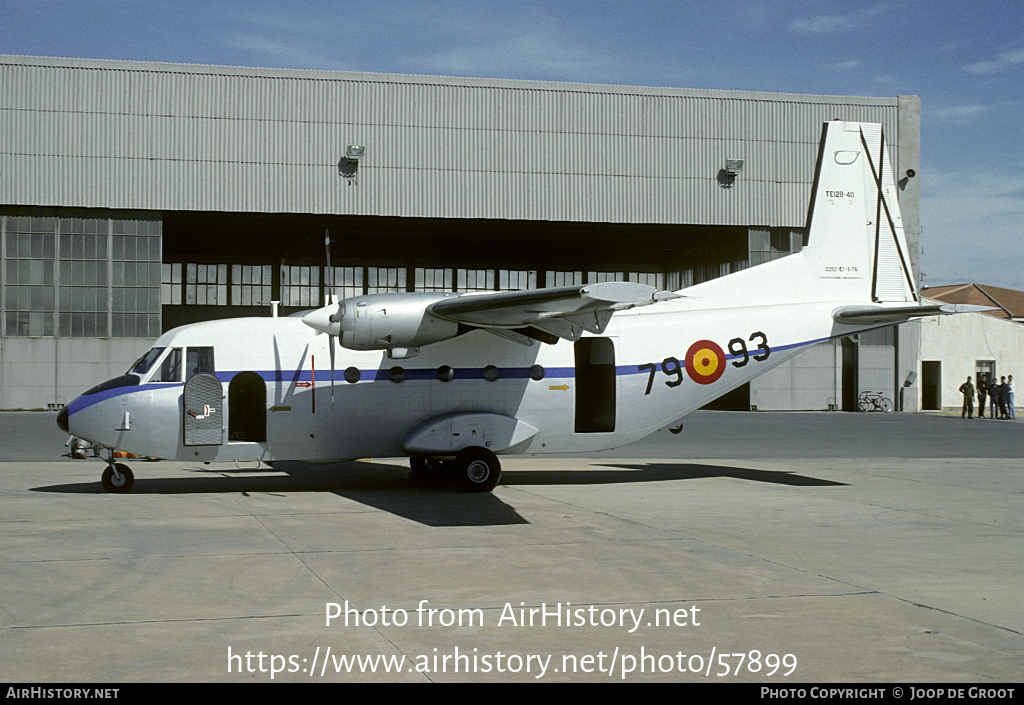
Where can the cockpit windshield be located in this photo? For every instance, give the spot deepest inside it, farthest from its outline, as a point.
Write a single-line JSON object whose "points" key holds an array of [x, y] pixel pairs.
{"points": [[142, 365]]}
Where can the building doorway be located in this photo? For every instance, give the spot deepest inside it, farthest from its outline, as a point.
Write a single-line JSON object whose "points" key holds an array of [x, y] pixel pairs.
{"points": [[931, 385]]}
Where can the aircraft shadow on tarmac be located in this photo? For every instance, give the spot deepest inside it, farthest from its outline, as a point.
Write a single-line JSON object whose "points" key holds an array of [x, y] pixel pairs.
{"points": [[434, 502]]}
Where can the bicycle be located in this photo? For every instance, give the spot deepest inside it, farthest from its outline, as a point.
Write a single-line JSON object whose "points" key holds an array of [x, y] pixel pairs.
{"points": [[874, 401]]}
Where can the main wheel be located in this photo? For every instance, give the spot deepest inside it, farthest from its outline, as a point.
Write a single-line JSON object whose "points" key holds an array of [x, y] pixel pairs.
{"points": [[120, 483], [476, 469]]}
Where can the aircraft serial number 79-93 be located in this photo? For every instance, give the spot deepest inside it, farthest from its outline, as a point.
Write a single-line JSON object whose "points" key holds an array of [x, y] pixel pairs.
{"points": [[453, 381]]}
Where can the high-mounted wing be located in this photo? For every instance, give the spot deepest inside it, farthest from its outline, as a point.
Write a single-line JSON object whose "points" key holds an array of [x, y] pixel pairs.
{"points": [[562, 312], [401, 323]]}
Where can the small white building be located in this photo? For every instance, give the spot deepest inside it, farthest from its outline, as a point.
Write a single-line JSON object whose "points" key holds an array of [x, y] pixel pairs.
{"points": [[955, 347]]}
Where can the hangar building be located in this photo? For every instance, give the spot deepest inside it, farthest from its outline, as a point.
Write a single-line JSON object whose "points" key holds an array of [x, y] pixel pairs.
{"points": [[135, 197]]}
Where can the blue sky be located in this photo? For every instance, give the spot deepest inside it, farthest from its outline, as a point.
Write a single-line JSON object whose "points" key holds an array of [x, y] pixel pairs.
{"points": [[965, 61]]}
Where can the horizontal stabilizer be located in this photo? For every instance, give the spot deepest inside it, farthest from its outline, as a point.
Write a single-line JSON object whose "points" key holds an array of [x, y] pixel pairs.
{"points": [[897, 314]]}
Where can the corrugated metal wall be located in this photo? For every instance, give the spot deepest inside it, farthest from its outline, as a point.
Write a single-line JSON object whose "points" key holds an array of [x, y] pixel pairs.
{"points": [[173, 137]]}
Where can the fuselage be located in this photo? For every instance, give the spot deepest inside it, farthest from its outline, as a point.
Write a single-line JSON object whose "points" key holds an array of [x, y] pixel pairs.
{"points": [[281, 392]]}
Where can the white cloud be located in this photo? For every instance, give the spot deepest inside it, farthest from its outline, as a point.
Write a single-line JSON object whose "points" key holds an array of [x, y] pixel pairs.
{"points": [[830, 24], [1006, 58], [959, 114]]}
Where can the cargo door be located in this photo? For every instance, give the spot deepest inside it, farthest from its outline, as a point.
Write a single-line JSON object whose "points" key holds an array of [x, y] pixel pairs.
{"points": [[595, 385]]}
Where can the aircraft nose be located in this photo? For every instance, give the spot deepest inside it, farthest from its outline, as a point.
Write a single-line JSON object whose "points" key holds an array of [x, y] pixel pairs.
{"points": [[62, 420]]}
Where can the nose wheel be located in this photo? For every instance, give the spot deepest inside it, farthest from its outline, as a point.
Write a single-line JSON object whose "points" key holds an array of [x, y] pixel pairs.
{"points": [[118, 477]]}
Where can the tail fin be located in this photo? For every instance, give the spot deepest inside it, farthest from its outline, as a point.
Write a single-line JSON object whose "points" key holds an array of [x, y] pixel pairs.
{"points": [[855, 240], [855, 251]]}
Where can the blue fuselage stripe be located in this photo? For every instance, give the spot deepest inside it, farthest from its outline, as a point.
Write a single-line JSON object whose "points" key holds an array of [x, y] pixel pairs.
{"points": [[384, 375]]}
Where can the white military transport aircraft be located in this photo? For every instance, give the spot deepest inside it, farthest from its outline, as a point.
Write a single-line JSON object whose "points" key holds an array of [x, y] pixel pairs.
{"points": [[455, 380]]}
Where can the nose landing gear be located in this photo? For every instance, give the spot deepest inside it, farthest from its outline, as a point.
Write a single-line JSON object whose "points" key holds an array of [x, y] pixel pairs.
{"points": [[118, 477]]}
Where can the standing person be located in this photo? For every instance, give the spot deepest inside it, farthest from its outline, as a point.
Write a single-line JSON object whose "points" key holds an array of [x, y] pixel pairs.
{"points": [[982, 393], [1013, 392], [1004, 393], [967, 389], [993, 399]]}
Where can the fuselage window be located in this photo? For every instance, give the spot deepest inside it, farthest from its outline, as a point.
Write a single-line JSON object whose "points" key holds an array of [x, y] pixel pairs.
{"points": [[537, 373], [396, 375], [491, 373], [352, 375], [445, 373]]}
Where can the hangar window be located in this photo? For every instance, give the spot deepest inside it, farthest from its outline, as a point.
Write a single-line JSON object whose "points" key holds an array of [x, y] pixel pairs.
{"points": [[81, 273], [475, 280], [655, 279], [516, 280], [30, 243], [343, 282], [385, 280], [564, 278], [206, 284], [300, 286], [135, 276], [674, 281], [251, 284], [433, 279], [170, 283]]}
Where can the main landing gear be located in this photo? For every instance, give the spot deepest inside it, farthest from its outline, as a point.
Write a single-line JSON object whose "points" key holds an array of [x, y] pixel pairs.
{"points": [[118, 477], [474, 469]]}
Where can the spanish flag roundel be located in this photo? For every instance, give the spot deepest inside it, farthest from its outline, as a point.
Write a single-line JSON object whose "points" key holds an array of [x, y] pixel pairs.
{"points": [[705, 362]]}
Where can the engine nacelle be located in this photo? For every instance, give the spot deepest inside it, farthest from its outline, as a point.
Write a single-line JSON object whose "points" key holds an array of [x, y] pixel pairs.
{"points": [[394, 322]]}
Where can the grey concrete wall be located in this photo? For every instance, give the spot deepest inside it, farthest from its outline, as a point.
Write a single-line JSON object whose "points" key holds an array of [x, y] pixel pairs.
{"points": [[36, 372]]}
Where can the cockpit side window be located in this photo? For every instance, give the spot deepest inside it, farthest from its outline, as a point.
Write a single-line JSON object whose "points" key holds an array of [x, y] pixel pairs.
{"points": [[199, 360], [142, 365], [170, 368]]}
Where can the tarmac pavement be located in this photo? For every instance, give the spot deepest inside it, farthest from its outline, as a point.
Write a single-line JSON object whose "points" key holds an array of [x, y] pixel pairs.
{"points": [[875, 548]]}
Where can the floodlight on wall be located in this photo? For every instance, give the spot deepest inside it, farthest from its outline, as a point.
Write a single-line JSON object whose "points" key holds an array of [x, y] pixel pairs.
{"points": [[733, 167], [354, 152]]}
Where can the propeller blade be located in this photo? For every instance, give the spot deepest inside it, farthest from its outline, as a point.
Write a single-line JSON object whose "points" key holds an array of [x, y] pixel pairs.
{"points": [[331, 298]]}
